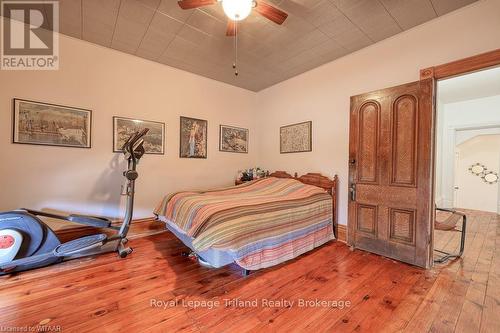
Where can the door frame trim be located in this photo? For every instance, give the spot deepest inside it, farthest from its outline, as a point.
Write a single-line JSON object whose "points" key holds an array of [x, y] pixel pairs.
{"points": [[455, 68], [462, 66]]}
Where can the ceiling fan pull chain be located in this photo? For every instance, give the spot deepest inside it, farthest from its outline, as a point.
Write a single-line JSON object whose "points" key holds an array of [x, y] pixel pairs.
{"points": [[235, 65]]}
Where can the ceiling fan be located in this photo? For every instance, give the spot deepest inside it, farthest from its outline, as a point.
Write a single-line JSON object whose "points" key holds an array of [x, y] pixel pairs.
{"points": [[237, 10]]}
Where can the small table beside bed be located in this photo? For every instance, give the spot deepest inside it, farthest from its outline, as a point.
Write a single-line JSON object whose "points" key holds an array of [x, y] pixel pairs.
{"points": [[257, 224]]}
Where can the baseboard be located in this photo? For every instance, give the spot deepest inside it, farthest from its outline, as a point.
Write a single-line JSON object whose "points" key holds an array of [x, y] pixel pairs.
{"points": [[145, 227], [138, 228], [342, 233]]}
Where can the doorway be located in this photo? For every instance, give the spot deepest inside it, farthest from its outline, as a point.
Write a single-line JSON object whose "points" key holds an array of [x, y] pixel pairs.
{"points": [[467, 154]]}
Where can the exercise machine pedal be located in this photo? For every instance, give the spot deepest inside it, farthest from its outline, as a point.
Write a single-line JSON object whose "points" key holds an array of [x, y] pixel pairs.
{"points": [[80, 245]]}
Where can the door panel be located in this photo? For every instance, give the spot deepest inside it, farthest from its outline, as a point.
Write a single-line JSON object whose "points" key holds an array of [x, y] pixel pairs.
{"points": [[366, 219], [369, 115], [404, 140], [390, 172]]}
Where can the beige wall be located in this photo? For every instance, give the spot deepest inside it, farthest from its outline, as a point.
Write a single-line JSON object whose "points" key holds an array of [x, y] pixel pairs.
{"points": [[113, 83], [473, 192], [458, 122], [322, 95]]}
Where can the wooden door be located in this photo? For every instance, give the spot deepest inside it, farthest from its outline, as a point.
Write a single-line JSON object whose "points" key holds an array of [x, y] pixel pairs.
{"points": [[390, 172]]}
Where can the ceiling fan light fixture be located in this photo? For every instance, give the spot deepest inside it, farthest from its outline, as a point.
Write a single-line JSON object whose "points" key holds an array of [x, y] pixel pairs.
{"points": [[237, 10]]}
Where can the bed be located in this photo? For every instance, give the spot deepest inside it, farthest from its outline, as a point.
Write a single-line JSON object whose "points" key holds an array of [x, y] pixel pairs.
{"points": [[257, 224]]}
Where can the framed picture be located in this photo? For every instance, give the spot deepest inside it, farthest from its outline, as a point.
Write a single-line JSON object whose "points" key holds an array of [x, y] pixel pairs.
{"points": [[233, 139], [154, 141], [193, 141], [47, 124], [296, 138]]}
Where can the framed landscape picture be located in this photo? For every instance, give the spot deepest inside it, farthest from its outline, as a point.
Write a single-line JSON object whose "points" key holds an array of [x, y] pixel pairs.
{"points": [[154, 141], [233, 139], [193, 140], [296, 138], [40, 123]]}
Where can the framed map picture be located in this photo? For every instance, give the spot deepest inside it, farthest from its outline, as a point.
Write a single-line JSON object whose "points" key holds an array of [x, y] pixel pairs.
{"points": [[233, 139], [296, 138], [39, 123], [154, 140], [193, 140]]}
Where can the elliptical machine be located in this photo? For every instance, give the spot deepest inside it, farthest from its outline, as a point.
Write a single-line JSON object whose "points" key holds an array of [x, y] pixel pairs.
{"points": [[26, 242]]}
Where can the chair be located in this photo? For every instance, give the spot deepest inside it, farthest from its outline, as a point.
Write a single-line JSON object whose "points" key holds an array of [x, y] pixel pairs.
{"points": [[450, 224]]}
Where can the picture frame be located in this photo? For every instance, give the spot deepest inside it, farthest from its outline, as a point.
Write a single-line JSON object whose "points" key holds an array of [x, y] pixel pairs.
{"points": [[193, 138], [296, 138], [233, 139], [154, 140], [47, 124]]}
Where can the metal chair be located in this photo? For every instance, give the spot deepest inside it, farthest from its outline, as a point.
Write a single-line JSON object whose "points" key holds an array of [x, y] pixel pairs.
{"points": [[450, 224]]}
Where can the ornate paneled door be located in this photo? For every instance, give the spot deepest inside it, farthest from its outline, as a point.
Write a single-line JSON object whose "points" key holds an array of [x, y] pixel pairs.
{"points": [[390, 172]]}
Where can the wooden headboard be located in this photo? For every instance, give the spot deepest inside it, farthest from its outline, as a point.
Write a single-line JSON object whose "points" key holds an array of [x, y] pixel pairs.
{"points": [[317, 179]]}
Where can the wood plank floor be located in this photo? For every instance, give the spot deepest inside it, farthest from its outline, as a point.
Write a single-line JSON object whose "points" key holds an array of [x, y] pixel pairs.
{"points": [[366, 292]]}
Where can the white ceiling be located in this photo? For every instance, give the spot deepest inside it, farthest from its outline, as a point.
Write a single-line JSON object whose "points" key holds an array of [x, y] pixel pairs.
{"points": [[315, 32], [475, 85]]}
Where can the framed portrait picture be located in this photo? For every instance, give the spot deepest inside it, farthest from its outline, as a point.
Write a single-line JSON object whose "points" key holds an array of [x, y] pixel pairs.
{"points": [[296, 138], [233, 139], [47, 124], [154, 140], [193, 140]]}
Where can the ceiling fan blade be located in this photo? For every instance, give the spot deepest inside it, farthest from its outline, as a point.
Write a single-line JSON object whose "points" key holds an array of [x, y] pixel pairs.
{"points": [[190, 4], [272, 13], [231, 28]]}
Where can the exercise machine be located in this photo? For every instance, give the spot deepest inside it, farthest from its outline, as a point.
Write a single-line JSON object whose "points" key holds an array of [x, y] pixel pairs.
{"points": [[26, 242]]}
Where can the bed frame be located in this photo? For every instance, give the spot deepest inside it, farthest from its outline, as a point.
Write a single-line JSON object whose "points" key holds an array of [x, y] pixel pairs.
{"points": [[317, 179]]}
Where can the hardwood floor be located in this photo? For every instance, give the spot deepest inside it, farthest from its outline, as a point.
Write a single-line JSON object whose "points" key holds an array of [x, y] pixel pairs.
{"points": [[372, 293]]}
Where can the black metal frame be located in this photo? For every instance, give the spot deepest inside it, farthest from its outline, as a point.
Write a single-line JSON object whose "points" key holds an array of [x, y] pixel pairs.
{"points": [[447, 256]]}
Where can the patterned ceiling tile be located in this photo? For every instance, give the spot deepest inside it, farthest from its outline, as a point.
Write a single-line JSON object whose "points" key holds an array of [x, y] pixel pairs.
{"points": [[344, 32], [132, 24], [445, 6], [315, 32], [99, 20], [316, 12], [70, 22], [410, 13], [170, 8], [370, 16]]}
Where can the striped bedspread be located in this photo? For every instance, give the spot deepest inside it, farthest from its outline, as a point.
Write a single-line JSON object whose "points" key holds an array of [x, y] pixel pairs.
{"points": [[261, 223]]}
